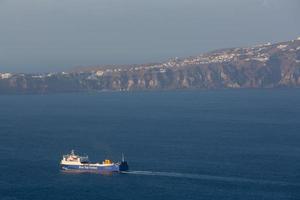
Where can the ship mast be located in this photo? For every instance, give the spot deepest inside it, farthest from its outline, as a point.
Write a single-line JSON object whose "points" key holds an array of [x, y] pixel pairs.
{"points": [[123, 159]]}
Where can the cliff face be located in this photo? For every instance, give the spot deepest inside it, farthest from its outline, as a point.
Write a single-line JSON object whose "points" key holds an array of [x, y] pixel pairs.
{"points": [[263, 66]]}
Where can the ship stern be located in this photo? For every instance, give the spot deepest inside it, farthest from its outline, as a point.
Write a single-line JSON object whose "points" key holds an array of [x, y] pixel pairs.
{"points": [[123, 166]]}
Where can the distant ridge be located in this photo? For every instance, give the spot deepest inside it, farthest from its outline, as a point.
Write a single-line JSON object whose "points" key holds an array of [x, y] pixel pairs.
{"points": [[262, 66]]}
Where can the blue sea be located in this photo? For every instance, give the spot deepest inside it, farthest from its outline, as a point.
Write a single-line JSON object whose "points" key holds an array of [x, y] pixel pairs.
{"points": [[221, 144]]}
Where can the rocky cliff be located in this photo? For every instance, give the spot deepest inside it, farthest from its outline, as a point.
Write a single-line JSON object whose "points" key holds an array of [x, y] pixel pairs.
{"points": [[262, 66]]}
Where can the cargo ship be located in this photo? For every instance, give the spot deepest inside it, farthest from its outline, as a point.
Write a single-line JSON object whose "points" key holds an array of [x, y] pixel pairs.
{"points": [[75, 163]]}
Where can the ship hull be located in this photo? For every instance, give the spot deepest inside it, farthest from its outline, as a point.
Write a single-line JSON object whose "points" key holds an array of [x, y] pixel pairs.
{"points": [[90, 168]]}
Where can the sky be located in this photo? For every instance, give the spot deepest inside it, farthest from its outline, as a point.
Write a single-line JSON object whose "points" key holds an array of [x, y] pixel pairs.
{"points": [[56, 35]]}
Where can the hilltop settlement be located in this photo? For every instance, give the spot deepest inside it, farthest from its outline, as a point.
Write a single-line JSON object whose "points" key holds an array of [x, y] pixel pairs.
{"points": [[262, 66]]}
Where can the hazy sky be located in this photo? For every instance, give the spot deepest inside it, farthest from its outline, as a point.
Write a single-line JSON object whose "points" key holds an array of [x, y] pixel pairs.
{"points": [[51, 35]]}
